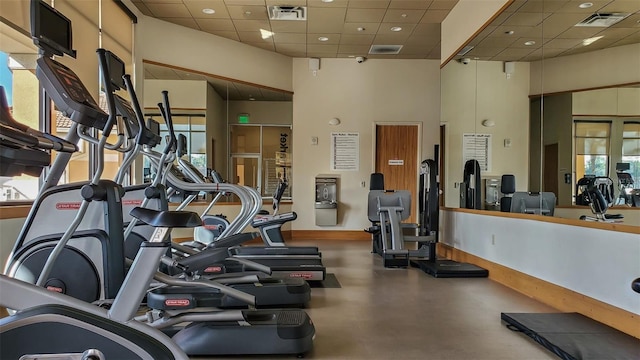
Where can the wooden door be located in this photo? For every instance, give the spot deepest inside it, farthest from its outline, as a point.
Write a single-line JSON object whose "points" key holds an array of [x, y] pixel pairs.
{"points": [[397, 159], [550, 171]]}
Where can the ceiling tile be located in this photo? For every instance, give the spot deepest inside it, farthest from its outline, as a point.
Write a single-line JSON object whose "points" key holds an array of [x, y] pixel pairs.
{"points": [[434, 16], [325, 20], [248, 12], [295, 54], [244, 2], [410, 4], [511, 53], [215, 25], [416, 49], [414, 56], [618, 32], [253, 37], [169, 10], [556, 24], [367, 28], [390, 39], [425, 40], [497, 41], [287, 2], [288, 26], [252, 25], [365, 15], [443, 4], [540, 6], [580, 32], [407, 29], [289, 38], [357, 39], [427, 29], [524, 19], [320, 3], [333, 39], [626, 6], [353, 49], [573, 6], [562, 43], [403, 16], [368, 4], [291, 47], [322, 48], [195, 8]]}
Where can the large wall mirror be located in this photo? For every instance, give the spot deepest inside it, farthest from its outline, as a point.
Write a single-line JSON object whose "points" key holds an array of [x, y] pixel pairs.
{"points": [[242, 131], [503, 101]]}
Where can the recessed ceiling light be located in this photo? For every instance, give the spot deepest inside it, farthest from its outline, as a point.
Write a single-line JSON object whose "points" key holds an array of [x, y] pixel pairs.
{"points": [[323, 38], [590, 41], [327, 1], [266, 34], [585, 5], [510, 32], [404, 15], [360, 29], [396, 28], [530, 42], [247, 12], [251, 98], [208, 11]]}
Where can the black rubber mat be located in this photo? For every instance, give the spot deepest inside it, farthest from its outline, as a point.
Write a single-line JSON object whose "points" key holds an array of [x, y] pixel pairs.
{"points": [[572, 336], [330, 281], [449, 269]]}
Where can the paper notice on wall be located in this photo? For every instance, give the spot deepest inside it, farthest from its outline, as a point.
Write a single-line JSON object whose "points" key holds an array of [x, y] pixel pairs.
{"points": [[477, 147], [345, 151]]}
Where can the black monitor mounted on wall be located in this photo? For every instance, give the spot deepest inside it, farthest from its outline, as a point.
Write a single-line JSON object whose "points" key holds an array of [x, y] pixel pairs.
{"points": [[50, 30]]}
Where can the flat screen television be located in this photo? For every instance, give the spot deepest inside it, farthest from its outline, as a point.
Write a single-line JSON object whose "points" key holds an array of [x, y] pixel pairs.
{"points": [[50, 30], [116, 70], [537, 203]]}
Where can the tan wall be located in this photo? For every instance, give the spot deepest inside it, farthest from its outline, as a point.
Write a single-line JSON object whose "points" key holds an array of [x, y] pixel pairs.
{"points": [[262, 112], [184, 94], [217, 131], [168, 43], [459, 26], [25, 98], [360, 95], [613, 66]]}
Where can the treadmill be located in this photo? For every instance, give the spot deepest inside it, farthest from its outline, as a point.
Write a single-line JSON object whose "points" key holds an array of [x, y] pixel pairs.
{"points": [[303, 262]]}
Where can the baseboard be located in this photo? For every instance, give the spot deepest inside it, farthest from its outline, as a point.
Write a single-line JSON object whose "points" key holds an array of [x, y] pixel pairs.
{"points": [[329, 235], [553, 295]]}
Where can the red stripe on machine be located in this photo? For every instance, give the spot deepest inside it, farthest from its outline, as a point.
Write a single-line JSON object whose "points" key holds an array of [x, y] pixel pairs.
{"points": [[132, 202], [213, 269], [177, 302], [68, 206]]}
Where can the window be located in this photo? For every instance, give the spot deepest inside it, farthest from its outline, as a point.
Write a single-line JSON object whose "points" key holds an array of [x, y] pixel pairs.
{"points": [[17, 76], [592, 148], [260, 156], [631, 149], [193, 127]]}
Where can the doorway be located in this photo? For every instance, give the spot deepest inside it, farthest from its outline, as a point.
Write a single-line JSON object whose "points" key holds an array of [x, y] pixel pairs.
{"points": [[397, 158]]}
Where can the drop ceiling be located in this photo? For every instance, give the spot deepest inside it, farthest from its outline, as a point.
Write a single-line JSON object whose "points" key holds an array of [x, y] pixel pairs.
{"points": [[351, 27]]}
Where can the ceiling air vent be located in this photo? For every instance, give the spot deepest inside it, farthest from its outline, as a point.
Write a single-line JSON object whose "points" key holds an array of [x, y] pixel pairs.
{"points": [[282, 12], [385, 49], [602, 20]]}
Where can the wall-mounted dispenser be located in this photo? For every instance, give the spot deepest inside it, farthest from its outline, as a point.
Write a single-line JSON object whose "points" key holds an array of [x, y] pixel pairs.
{"points": [[326, 204]]}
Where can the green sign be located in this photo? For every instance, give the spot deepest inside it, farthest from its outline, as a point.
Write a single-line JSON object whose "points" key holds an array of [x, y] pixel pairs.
{"points": [[243, 118]]}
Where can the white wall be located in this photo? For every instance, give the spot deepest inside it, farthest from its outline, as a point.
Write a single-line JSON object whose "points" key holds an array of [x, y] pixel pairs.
{"points": [[475, 92], [360, 95], [597, 263]]}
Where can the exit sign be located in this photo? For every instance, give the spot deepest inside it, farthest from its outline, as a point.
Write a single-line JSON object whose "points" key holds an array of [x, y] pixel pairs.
{"points": [[243, 118]]}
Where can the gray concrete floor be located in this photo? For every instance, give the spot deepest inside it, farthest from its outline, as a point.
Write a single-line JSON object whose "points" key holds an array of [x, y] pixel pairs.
{"points": [[383, 313]]}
